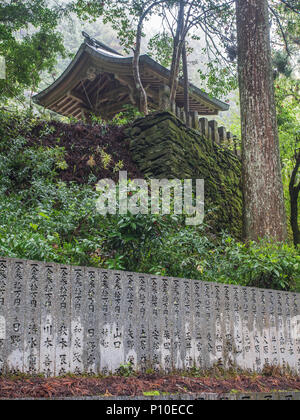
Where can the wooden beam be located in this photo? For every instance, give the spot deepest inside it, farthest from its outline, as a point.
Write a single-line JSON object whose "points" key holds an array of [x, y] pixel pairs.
{"points": [[68, 105], [126, 81], [76, 96], [60, 103], [71, 109], [112, 109]]}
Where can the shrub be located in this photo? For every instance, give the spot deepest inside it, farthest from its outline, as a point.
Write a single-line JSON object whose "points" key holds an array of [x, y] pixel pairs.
{"points": [[43, 218]]}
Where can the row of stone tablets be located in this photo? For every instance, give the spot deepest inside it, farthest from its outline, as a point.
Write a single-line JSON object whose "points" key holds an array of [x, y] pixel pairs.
{"points": [[279, 396], [56, 319]]}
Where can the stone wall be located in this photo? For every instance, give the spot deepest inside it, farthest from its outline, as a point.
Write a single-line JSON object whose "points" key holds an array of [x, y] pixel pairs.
{"points": [[57, 319], [163, 147]]}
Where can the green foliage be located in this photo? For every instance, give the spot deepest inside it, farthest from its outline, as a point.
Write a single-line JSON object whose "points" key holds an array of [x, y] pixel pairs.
{"points": [[88, 10], [127, 116], [151, 393], [22, 169], [191, 254], [281, 64], [122, 15], [33, 52], [161, 48], [44, 219], [219, 80], [126, 370], [287, 91]]}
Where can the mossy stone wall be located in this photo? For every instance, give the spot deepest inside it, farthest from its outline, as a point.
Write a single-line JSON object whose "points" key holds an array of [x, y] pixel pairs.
{"points": [[163, 147]]}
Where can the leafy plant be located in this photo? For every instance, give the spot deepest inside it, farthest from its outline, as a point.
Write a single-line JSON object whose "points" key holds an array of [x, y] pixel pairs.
{"points": [[126, 370], [29, 42], [45, 219]]}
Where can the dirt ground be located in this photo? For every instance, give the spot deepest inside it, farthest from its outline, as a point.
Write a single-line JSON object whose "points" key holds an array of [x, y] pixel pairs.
{"points": [[37, 387]]}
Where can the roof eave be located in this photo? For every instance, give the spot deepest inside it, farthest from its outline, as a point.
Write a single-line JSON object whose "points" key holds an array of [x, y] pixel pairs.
{"points": [[221, 106], [215, 103]]}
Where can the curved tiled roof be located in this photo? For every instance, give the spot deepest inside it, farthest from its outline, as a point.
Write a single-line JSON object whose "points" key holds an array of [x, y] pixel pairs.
{"points": [[105, 61]]}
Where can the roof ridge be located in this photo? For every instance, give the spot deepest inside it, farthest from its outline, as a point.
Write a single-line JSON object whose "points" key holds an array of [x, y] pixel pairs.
{"points": [[95, 43]]}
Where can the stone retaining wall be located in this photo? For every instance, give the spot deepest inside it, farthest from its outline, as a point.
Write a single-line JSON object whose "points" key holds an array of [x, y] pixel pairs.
{"points": [[163, 147]]}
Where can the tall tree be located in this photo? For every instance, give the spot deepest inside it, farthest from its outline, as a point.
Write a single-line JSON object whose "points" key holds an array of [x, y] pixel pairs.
{"points": [[294, 188], [29, 43], [190, 18], [186, 85], [145, 8], [178, 43], [264, 210]]}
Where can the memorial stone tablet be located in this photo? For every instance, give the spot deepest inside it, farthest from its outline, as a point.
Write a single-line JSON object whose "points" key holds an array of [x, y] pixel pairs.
{"points": [[63, 322], [105, 322], [178, 360], [48, 316], [78, 279], [15, 311], [130, 310], [199, 322], [155, 325], [142, 322], [90, 320], [4, 267], [166, 344], [188, 347], [32, 332], [56, 319]]}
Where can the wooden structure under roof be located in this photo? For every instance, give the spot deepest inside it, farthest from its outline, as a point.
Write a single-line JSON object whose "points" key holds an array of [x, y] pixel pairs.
{"points": [[100, 81]]}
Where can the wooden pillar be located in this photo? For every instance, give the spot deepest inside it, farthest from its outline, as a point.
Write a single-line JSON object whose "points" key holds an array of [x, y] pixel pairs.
{"points": [[195, 120], [214, 131], [173, 108], [85, 115], [237, 150], [164, 98], [229, 137], [204, 127], [182, 115], [222, 135]]}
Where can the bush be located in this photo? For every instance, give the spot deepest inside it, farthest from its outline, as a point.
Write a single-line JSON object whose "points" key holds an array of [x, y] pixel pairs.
{"points": [[43, 218], [190, 253]]}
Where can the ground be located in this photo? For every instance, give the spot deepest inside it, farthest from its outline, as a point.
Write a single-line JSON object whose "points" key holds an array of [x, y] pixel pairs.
{"points": [[143, 385]]}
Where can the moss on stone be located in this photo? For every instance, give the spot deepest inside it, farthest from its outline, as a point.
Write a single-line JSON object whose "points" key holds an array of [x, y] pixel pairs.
{"points": [[163, 147]]}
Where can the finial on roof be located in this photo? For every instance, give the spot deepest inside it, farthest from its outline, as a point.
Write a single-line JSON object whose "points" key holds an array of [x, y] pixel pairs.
{"points": [[89, 40], [97, 44]]}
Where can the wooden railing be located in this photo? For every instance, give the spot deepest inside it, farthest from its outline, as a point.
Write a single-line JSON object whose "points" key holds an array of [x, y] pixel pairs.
{"points": [[211, 130]]}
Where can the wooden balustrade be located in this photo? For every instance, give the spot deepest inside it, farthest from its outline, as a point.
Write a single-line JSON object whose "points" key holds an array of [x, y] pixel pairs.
{"points": [[211, 130]]}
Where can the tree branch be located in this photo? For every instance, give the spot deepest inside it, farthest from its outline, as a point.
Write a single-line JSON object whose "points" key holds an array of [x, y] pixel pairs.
{"points": [[281, 30], [287, 4]]}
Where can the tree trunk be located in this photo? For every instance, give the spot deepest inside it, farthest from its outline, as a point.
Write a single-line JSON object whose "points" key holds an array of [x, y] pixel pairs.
{"points": [[264, 210], [186, 85], [143, 100], [177, 52], [294, 194]]}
